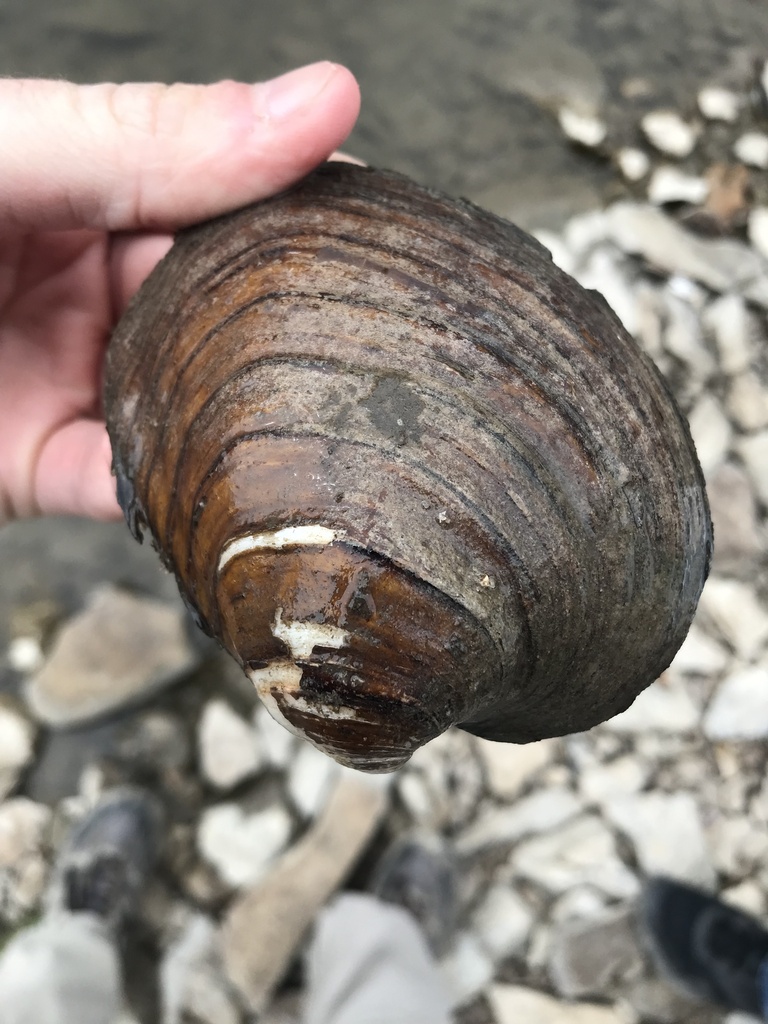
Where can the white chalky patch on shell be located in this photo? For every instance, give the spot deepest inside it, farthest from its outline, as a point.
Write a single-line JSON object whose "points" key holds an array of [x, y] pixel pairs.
{"points": [[312, 535], [278, 675], [302, 637], [319, 709], [285, 677]]}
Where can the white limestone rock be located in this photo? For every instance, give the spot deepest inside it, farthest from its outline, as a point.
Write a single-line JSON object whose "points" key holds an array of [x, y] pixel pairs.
{"points": [[561, 254], [588, 748], [510, 766], [602, 271], [22, 829], [582, 126], [734, 517], [689, 771], [156, 740], [582, 852], [682, 337], [664, 706], [729, 790], [733, 329], [556, 776], [758, 805], [583, 232], [633, 163], [192, 981], [413, 790], [711, 432], [17, 744], [739, 845], [515, 1004], [241, 845], [310, 780], [652, 317], [722, 264], [719, 104], [502, 922], [669, 133], [739, 709], [757, 229], [752, 149], [276, 742], [654, 999], [659, 746], [588, 958], [466, 969], [228, 746], [23, 869], [754, 452], [747, 402], [600, 782], [747, 896], [699, 655], [538, 948], [669, 184], [450, 777], [543, 810], [24, 654], [682, 287], [667, 834], [118, 651], [737, 614], [582, 903]]}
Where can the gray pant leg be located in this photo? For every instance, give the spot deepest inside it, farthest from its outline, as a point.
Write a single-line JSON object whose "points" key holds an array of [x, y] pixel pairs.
{"points": [[369, 964], [64, 970]]}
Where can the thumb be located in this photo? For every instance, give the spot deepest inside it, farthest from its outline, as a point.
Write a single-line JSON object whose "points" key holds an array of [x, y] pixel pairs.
{"points": [[135, 156]]}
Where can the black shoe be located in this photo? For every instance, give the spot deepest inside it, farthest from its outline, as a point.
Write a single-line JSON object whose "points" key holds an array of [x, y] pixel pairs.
{"points": [[419, 875], [109, 856], [712, 950]]}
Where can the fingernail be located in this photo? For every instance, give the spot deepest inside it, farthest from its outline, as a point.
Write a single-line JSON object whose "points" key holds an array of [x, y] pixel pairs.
{"points": [[289, 93]]}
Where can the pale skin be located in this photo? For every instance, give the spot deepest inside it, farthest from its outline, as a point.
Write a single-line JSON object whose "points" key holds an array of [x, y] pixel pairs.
{"points": [[93, 182]]}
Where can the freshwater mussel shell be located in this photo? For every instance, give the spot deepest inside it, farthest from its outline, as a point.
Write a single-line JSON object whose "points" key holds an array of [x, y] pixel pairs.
{"points": [[406, 470]]}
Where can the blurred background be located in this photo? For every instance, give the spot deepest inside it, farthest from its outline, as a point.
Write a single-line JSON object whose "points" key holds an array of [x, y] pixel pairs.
{"points": [[455, 92]]}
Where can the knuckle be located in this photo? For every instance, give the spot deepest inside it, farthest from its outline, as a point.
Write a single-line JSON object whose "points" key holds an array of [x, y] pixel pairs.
{"points": [[146, 110], [144, 121]]}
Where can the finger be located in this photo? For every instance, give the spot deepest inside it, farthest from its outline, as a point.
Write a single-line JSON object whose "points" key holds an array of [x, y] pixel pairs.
{"points": [[133, 257], [73, 473], [151, 156], [134, 254]]}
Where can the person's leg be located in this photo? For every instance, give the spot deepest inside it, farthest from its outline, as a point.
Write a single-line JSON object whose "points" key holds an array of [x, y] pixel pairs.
{"points": [[64, 970], [763, 980], [104, 864], [373, 959], [710, 949], [370, 964]]}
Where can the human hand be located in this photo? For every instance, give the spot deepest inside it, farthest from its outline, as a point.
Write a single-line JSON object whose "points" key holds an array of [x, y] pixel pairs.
{"points": [[93, 181]]}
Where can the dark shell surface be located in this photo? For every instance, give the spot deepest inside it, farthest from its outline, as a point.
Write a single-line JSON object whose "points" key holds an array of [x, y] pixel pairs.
{"points": [[408, 472]]}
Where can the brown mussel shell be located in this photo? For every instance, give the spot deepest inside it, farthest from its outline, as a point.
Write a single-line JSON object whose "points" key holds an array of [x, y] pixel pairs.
{"points": [[408, 472]]}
